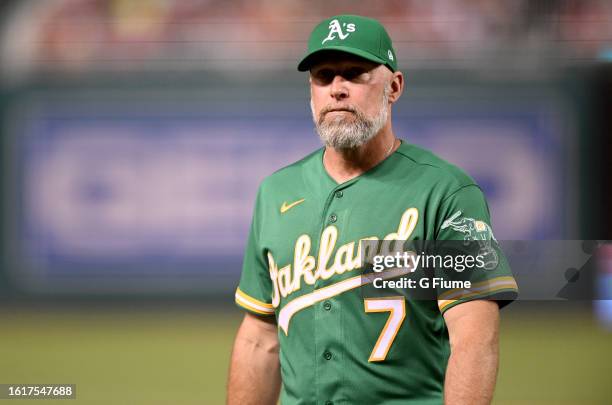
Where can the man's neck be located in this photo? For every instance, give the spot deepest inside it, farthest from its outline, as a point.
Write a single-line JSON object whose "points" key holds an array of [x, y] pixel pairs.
{"points": [[345, 164]]}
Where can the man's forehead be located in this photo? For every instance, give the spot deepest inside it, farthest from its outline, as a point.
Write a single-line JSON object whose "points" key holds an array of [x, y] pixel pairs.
{"points": [[338, 60]]}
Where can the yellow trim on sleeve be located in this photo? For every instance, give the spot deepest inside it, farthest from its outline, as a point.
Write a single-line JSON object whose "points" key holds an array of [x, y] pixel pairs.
{"points": [[502, 283], [252, 304], [482, 286]]}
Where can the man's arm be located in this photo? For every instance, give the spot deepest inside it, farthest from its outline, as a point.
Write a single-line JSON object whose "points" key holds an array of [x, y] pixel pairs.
{"points": [[254, 376], [473, 329]]}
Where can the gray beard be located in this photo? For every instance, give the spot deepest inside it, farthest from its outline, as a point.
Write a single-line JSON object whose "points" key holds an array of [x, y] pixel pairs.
{"points": [[344, 132]]}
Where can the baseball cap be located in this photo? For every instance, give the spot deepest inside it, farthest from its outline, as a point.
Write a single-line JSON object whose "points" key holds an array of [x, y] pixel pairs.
{"points": [[354, 34]]}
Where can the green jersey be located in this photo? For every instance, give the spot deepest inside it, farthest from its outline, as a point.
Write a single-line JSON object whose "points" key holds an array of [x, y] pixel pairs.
{"points": [[302, 265]]}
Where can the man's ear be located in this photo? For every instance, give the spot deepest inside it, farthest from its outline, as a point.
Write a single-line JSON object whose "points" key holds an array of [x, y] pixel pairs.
{"points": [[397, 86]]}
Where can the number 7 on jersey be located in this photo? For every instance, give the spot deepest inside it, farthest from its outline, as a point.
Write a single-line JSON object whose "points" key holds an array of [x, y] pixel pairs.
{"points": [[397, 308]]}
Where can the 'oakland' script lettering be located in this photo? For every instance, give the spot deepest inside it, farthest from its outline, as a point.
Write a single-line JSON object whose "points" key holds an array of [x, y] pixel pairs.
{"points": [[288, 279]]}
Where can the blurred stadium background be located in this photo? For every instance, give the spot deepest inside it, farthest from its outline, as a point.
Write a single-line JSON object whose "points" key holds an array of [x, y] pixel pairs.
{"points": [[133, 135]]}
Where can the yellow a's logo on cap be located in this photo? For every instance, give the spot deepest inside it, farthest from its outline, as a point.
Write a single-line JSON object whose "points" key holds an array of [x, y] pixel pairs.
{"points": [[335, 28]]}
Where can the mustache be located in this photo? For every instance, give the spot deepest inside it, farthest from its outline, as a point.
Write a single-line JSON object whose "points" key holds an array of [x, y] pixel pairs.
{"points": [[329, 109]]}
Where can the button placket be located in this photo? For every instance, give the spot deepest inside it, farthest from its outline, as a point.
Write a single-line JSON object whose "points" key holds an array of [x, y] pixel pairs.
{"points": [[327, 312]]}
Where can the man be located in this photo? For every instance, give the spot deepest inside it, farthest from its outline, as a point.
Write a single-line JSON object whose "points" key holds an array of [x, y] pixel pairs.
{"points": [[309, 333]]}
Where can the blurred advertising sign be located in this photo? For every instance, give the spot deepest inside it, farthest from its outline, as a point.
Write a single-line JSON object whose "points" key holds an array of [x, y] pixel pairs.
{"points": [[143, 203]]}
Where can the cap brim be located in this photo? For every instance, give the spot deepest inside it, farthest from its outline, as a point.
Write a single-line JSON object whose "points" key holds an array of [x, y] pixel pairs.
{"points": [[308, 60]]}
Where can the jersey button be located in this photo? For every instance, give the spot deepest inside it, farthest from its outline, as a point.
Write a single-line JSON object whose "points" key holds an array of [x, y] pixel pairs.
{"points": [[333, 218], [327, 355], [339, 194], [327, 305]]}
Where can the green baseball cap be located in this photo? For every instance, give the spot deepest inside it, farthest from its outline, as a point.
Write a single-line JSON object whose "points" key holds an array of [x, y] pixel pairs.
{"points": [[354, 34]]}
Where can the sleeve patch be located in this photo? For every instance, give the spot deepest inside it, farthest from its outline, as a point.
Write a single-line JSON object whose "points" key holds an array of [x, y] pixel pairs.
{"points": [[471, 228]]}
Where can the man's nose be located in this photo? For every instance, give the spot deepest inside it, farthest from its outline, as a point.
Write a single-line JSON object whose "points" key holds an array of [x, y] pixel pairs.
{"points": [[339, 89]]}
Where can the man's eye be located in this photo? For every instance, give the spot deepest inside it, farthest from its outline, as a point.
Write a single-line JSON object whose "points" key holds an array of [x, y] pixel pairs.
{"points": [[324, 75], [353, 73]]}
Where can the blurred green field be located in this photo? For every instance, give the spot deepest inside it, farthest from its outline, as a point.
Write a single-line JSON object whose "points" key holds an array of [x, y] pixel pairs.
{"points": [[173, 356]]}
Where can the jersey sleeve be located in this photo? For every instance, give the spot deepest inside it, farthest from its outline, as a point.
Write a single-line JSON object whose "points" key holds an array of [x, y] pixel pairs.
{"points": [[464, 216], [254, 292]]}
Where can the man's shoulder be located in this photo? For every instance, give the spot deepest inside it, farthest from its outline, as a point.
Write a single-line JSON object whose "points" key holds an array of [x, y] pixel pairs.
{"points": [[433, 165], [291, 174]]}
